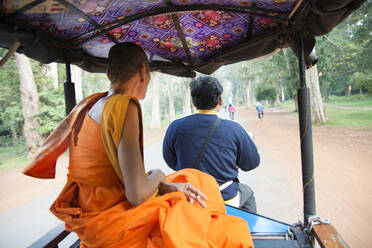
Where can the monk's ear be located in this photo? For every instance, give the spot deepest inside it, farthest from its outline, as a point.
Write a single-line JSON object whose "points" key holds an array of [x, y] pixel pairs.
{"points": [[220, 102], [142, 73], [108, 73]]}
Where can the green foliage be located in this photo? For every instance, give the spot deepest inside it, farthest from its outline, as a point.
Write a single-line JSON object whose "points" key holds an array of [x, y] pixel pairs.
{"points": [[369, 87], [266, 92], [12, 116], [13, 156], [289, 104], [346, 53], [52, 110], [10, 98], [91, 82]]}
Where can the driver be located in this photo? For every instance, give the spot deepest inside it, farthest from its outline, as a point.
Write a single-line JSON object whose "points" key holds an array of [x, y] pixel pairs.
{"points": [[229, 147]]}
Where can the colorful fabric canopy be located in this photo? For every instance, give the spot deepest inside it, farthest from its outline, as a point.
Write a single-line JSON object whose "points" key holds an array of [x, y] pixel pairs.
{"points": [[179, 36]]}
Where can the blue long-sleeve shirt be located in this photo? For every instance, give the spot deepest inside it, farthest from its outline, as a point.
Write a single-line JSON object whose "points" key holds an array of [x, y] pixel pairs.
{"points": [[229, 148]]}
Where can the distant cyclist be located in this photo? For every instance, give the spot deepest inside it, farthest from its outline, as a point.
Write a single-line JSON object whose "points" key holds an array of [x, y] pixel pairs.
{"points": [[259, 109]]}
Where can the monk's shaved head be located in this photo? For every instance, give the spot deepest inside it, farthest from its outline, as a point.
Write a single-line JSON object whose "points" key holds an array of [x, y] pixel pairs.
{"points": [[125, 60]]}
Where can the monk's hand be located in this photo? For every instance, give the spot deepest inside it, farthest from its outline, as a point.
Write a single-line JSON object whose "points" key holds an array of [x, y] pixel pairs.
{"points": [[192, 193]]}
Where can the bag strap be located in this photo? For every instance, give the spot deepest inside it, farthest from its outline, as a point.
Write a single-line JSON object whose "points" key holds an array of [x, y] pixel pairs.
{"points": [[197, 161]]}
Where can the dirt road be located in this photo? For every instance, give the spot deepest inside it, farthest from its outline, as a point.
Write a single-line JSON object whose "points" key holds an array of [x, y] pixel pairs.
{"points": [[343, 161], [343, 170]]}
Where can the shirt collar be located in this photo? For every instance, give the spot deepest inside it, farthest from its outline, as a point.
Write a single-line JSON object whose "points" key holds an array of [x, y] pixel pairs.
{"points": [[207, 112]]}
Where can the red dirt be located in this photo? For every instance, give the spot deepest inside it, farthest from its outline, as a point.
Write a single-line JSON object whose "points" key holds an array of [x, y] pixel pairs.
{"points": [[17, 188], [343, 161], [342, 164]]}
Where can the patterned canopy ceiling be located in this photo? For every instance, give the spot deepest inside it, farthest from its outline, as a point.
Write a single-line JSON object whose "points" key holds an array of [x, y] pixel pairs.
{"points": [[204, 29]]}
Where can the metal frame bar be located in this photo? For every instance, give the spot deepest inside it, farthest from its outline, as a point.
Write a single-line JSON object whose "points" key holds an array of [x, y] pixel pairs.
{"points": [[182, 37], [77, 11], [52, 238], [69, 91], [307, 159], [104, 29], [301, 238], [27, 7], [250, 24], [177, 24], [295, 9]]}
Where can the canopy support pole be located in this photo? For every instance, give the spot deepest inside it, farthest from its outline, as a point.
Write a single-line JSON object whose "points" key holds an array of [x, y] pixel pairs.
{"points": [[307, 159], [69, 90]]}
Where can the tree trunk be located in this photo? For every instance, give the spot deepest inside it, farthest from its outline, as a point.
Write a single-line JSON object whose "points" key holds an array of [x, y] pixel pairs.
{"points": [[30, 104], [296, 103], [243, 94], [251, 91], [52, 72], [325, 92], [249, 101], [172, 114], [312, 81], [277, 101], [185, 86], [282, 93], [76, 79], [13, 130], [292, 75], [89, 88], [155, 115], [348, 92]]}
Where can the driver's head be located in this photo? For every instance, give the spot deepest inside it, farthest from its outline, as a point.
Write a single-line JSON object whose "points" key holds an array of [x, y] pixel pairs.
{"points": [[125, 60], [206, 92]]}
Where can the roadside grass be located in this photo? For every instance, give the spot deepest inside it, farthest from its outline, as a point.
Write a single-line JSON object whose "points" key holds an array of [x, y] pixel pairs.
{"points": [[352, 118], [13, 156], [289, 104], [349, 118], [359, 100]]}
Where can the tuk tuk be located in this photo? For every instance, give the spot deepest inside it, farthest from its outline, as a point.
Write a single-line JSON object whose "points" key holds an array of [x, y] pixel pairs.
{"points": [[182, 37]]}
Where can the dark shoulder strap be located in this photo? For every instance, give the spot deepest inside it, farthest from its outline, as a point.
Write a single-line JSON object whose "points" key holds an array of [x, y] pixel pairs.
{"points": [[197, 161]]}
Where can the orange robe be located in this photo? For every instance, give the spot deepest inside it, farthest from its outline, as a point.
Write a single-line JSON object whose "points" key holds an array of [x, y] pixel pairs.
{"points": [[93, 202]]}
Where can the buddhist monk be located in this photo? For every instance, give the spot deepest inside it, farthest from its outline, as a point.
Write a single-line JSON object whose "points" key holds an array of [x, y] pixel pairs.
{"points": [[109, 200]]}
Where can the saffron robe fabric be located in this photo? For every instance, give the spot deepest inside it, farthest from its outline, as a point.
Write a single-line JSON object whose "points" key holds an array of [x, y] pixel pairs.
{"points": [[93, 202]]}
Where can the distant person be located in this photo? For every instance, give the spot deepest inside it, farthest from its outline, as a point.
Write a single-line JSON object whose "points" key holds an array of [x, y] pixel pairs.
{"points": [[213, 145], [231, 111], [259, 109]]}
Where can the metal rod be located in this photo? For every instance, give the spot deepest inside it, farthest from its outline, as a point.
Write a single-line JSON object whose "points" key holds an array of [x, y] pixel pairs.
{"points": [[182, 37], [295, 9], [307, 159], [27, 7], [301, 60], [250, 23], [103, 29], [77, 11], [69, 90]]}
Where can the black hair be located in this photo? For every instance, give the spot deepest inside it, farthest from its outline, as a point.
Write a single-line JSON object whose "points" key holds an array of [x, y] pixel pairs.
{"points": [[206, 92], [125, 60]]}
